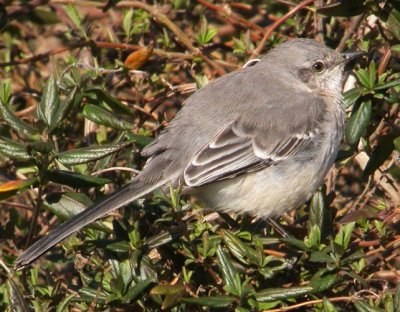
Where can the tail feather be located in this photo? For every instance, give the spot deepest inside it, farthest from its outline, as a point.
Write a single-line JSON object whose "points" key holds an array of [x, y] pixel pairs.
{"points": [[118, 199]]}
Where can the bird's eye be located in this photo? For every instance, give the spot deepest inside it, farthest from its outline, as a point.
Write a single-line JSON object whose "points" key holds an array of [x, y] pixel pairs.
{"points": [[318, 66]]}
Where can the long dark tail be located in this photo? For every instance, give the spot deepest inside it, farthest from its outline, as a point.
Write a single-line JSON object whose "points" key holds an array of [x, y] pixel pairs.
{"points": [[127, 194]]}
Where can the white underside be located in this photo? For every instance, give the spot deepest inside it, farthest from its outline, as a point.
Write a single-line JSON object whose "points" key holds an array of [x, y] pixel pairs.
{"points": [[271, 191]]}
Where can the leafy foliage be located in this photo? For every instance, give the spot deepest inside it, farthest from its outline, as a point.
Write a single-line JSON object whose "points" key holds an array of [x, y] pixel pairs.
{"points": [[104, 79]]}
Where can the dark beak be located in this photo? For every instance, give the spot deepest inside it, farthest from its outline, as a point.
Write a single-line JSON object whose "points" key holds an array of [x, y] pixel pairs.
{"points": [[350, 57]]}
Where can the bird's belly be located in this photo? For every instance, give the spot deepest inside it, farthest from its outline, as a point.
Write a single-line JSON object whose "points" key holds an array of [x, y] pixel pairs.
{"points": [[267, 192]]}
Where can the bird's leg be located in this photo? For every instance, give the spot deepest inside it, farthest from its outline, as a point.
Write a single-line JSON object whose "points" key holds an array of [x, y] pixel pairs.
{"points": [[278, 228]]}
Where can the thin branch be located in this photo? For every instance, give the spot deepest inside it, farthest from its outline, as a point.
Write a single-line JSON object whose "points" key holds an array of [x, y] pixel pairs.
{"points": [[109, 45], [35, 58], [319, 22], [35, 217], [391, 189], [160, 18], [163, 19], [156, 14], [349, 32], [233, 17], [312, 302], [16, 205], [384, 62], [279, 22], [26, 8]]}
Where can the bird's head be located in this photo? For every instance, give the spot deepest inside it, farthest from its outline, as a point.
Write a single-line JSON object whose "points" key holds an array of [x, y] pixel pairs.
{"points": [[320, 68]]}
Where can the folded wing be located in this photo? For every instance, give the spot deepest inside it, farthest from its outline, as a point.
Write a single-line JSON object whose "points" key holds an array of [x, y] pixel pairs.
{"points": [[240, 149]]}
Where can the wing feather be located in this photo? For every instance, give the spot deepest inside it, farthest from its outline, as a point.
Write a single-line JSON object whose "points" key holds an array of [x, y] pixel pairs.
{"points": [[237, 150]]}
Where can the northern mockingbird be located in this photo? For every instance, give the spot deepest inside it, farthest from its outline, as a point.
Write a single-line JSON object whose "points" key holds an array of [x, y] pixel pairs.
{"points": [[259, 140]]}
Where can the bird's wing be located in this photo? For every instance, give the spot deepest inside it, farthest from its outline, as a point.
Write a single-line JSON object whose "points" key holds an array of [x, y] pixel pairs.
{"points": [[241, 148]]}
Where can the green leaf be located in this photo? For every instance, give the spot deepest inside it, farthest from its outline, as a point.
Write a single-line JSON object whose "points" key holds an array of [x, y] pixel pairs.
{"points": [[63, 306], [136, 290], [351, 96], [5, 90], [387, 85], [74, 15], [91, 295], [358, 122], [363, 306], [364, 77], [355, 256], [127, 23], [229, 273], [73, 99], [49, 104], [212, 301], [380, 154], [320, 256], [159, 239], [273, 294], [314, 237], [14, 122], [67, 205], [139, 140], [173, 293], [16, 297], [317, 212], [13, 149], [395, 48], [123, 273], [240, 250], [299, 244], [396, 143], [343, 8], [328, 306], [119, 247], [16, 185], [397, 298], [74, 179], [167, 289], [109, 101], [88, 154], [372, 74], [105, 118], [393, 23], [205, 34], [320, 284], [44, 16], [343, 237], [41, 147]]}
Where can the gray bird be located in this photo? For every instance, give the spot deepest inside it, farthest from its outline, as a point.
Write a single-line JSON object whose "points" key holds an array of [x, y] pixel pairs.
{"points": [[259, 140]]}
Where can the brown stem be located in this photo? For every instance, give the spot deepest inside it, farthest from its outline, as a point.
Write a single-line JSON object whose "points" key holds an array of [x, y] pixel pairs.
{"points": [[35, 58], [36, 210], [311, 302], [232, 16], [163, 19], [16, 205], [319, 22], [349, 32], [159, 52], [279, 22], [26, 8], [385, 61], [110, 45]]}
